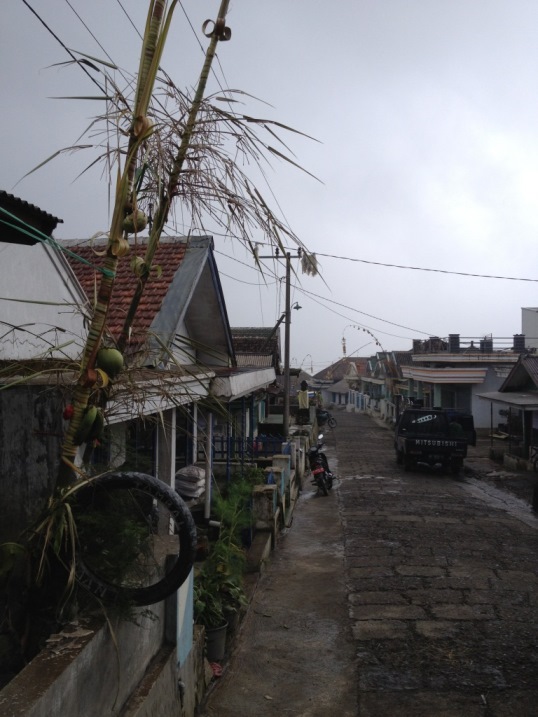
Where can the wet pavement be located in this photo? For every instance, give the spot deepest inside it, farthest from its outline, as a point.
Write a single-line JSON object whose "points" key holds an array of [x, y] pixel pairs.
{"points": [[402, 593]]}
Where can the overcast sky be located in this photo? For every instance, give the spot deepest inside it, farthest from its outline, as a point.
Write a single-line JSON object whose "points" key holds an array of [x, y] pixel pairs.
{"points": [[426, 116]]}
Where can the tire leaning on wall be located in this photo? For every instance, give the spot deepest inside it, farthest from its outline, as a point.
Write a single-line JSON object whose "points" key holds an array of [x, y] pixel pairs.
{"points": [[163, 496]]}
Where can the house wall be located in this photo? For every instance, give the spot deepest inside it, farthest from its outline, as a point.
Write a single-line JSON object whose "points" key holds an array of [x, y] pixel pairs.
{"points": [[482, 410], [31, 429], [333, 398], [43, 326], [31, 432]]}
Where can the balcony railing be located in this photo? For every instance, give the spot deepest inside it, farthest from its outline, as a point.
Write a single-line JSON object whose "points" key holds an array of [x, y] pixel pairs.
{"points": [[243, 449], [455, 343]]}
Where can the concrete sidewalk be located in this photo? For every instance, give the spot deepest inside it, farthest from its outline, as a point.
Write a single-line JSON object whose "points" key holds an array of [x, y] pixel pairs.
{"points": [[294, 654]]}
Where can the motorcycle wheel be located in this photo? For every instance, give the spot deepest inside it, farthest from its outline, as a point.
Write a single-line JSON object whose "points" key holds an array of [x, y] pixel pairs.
{"points": [[322, 485], [331, 422]]}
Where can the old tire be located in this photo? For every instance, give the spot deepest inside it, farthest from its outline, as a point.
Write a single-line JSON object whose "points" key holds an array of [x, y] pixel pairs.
{"points": [[151, 496]]}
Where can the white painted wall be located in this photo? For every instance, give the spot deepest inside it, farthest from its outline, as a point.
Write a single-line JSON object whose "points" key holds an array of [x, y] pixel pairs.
{"points": [[41, 305]]}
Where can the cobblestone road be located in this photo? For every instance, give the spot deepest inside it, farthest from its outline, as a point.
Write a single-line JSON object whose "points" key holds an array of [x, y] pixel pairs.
{"points": [[443, 585]]}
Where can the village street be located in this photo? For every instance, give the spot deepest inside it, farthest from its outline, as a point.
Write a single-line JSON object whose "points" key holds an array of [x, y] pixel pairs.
{"points": [[409, 594]]}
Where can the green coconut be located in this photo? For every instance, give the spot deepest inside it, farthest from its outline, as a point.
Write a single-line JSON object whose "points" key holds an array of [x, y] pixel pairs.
{"points": [[135, 222], [110, 361]]}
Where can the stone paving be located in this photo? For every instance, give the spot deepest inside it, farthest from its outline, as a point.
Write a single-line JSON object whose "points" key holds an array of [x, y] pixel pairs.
{"points": [[443, 587]]}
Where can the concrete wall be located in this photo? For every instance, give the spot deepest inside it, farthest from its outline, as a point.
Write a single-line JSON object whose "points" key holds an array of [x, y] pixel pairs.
{"points": [[483, 410], [31, 428], [88, 669], [129, 671]]}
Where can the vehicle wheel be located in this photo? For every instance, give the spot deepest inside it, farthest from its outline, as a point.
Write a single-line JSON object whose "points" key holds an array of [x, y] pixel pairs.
{"points": [[331, 422], [323, 486], [136, 538]]}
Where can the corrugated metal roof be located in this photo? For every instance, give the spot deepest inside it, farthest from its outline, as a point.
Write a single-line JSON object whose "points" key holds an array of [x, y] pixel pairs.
{"points": [[522, 401], [25, 213], [523, 374], [257, 341], [254, 360], [252, 331], [531, 365]]}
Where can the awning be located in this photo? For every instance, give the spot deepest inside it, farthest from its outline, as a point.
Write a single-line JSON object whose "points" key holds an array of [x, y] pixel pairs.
{"points": [[521, 401], [454, 374], [230, 384]]}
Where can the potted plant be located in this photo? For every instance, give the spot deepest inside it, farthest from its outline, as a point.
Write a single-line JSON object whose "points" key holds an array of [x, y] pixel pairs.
{"points": [[218, 581], [218, 597]]}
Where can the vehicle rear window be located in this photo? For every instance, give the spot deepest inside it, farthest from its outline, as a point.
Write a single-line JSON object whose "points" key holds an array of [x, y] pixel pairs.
{"points": [[423, 422]]}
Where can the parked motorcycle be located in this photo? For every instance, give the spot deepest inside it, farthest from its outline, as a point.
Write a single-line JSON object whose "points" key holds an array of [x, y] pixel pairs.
{"points": [[324, 417], [322, 476]]}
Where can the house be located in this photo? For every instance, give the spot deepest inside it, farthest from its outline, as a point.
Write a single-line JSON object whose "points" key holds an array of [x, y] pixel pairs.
{"points": [[380, 386], [181, 328], [514, 408], [451, 373], [180, 353], [335, 381], [46, 318]]}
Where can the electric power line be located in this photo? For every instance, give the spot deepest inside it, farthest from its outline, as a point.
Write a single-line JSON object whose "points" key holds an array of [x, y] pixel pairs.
{"points": [[71, 55], [420, 268], [317, 299]]}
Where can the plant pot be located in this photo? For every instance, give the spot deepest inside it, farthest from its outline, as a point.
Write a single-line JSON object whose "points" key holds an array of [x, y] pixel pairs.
{"points": [[216, 642]]}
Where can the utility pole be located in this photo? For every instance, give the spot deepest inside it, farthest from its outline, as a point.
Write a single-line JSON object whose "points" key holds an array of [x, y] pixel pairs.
{"points": [[287, 322], [286, 417]]}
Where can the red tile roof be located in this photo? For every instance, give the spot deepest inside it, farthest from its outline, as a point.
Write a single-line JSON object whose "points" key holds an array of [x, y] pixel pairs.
{"points": [[168, 258]]}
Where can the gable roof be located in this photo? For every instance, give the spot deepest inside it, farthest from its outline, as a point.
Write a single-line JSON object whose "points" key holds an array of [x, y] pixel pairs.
{"points": [[520, 387], [523, 376], [15, 214], [183, 289], [343, 368]]}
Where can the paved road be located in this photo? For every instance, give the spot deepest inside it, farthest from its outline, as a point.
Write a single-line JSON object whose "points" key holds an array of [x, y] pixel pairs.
{"points": [[420, 600]]}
